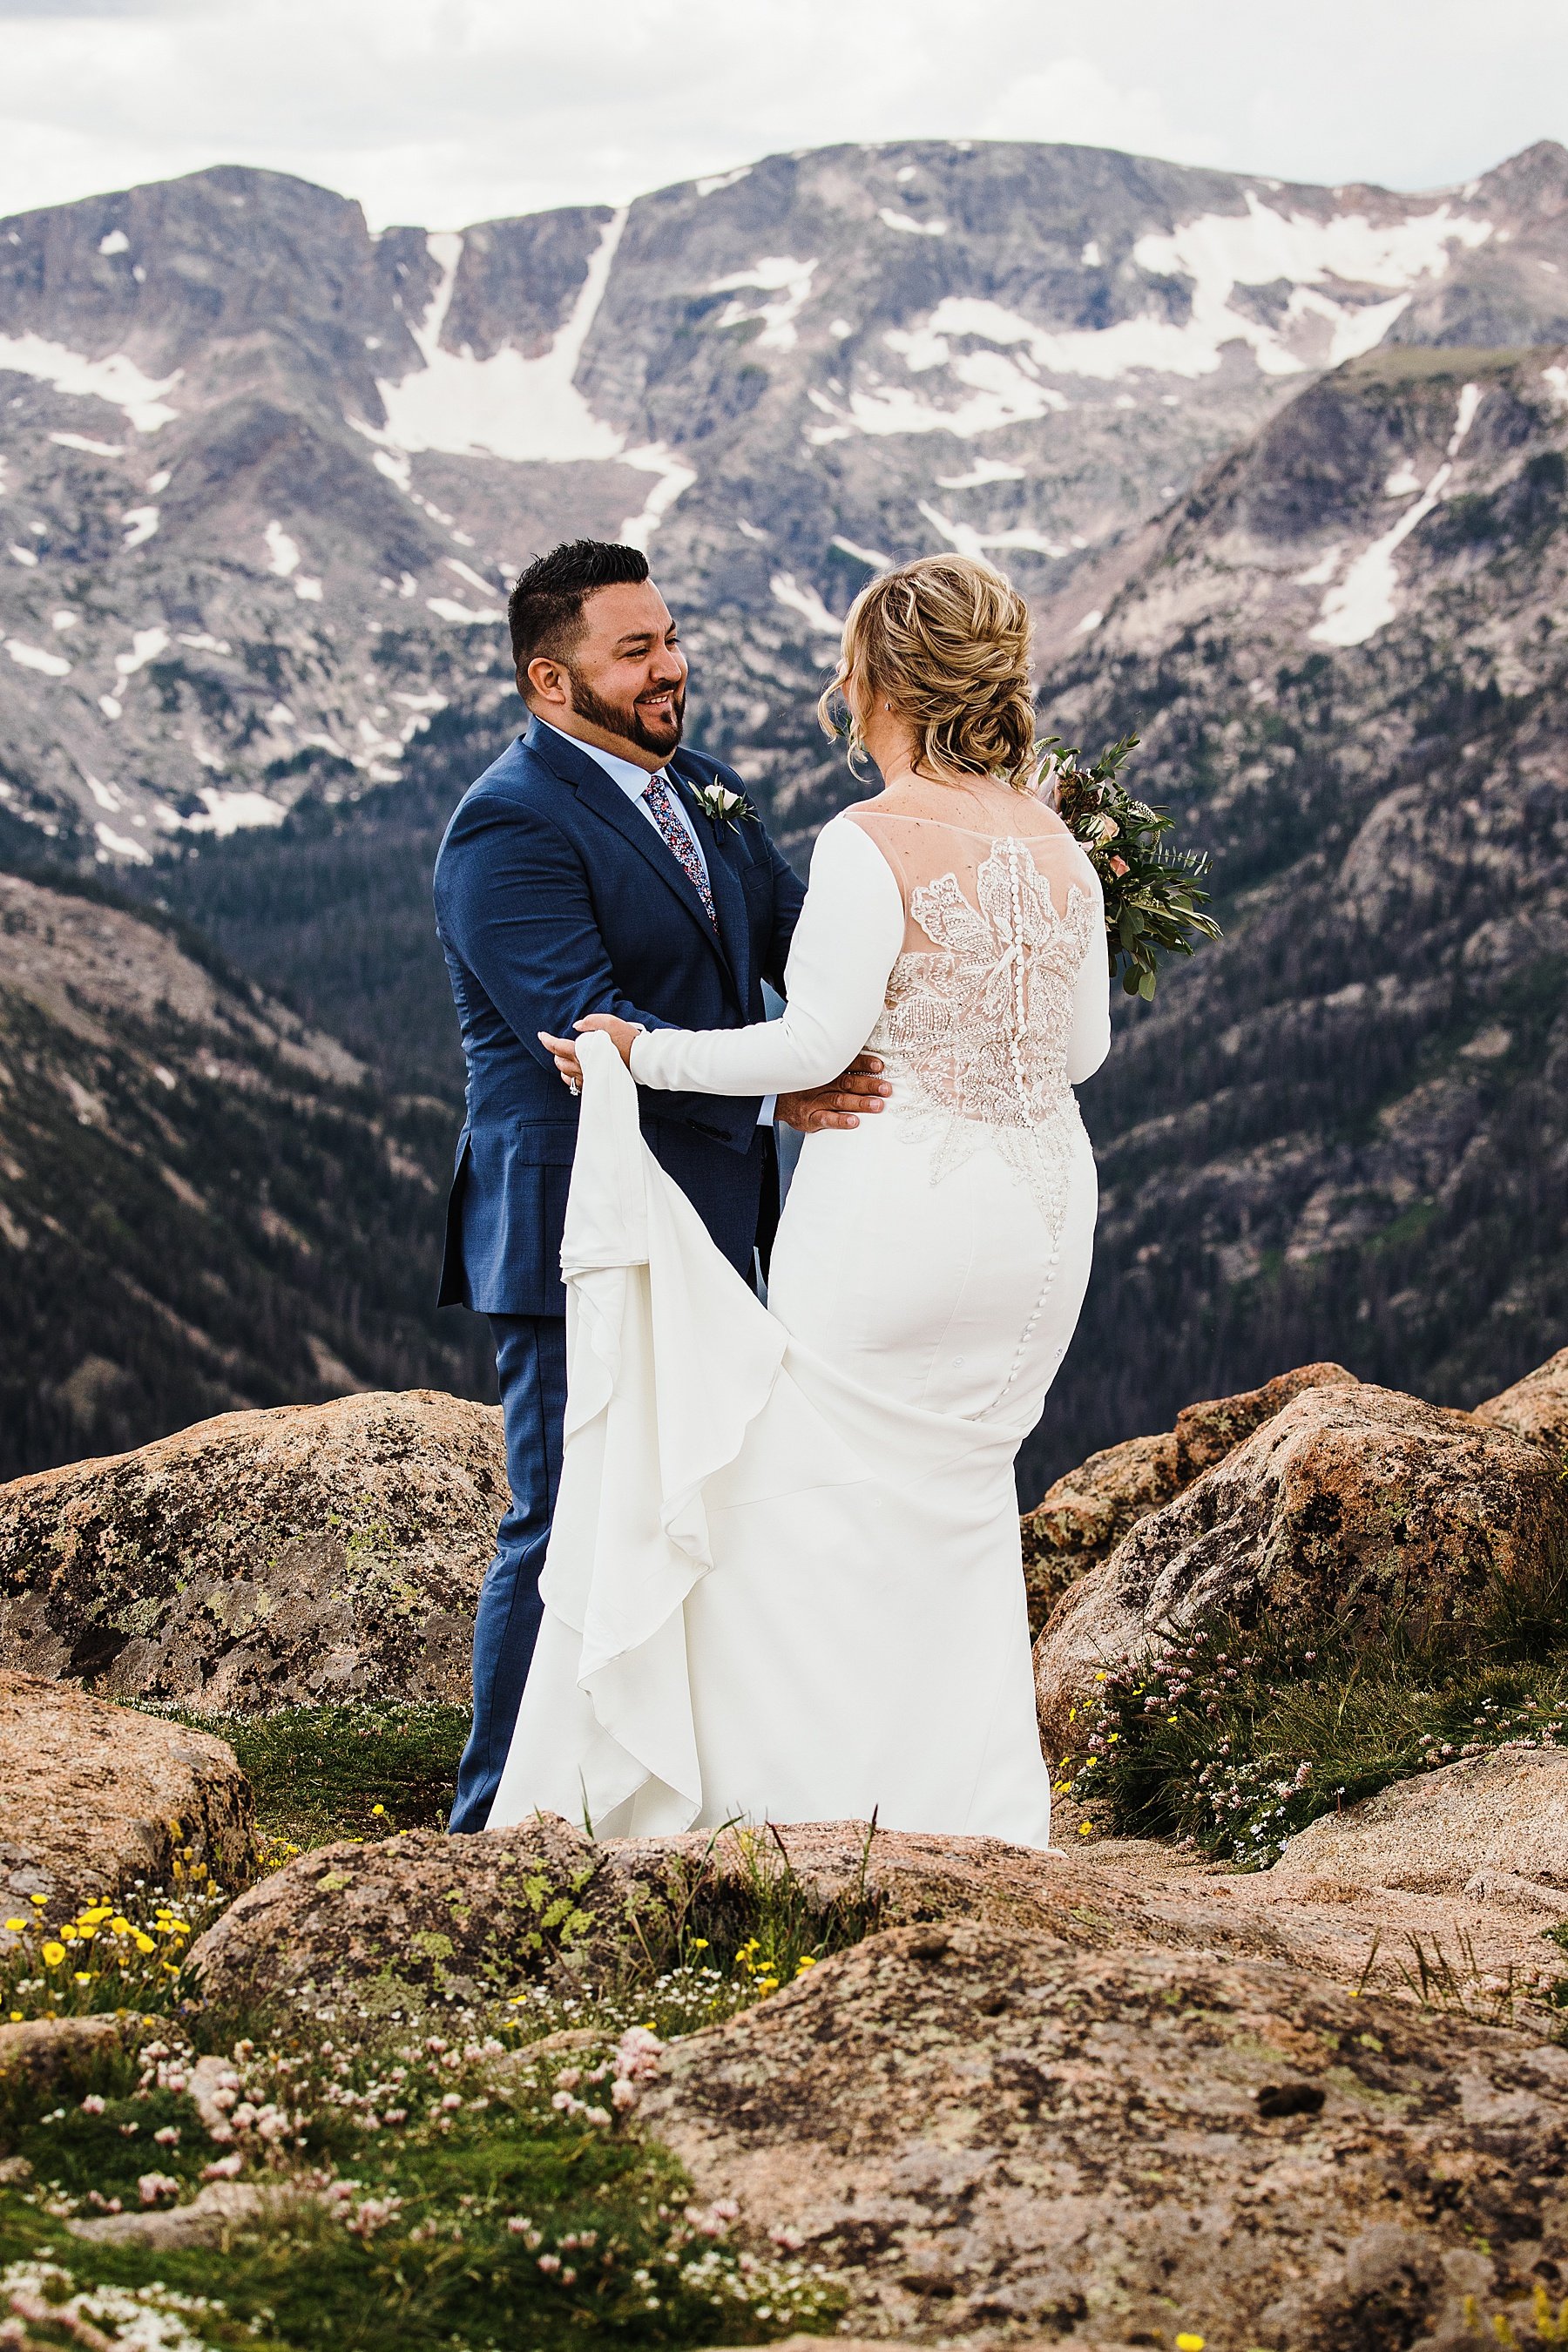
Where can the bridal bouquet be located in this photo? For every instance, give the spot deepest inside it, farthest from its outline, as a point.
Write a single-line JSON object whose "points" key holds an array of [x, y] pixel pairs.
{"points": [[1154, 904]]}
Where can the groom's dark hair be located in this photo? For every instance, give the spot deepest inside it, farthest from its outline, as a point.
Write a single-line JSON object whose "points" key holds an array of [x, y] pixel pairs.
{"points": [[546, 608]]}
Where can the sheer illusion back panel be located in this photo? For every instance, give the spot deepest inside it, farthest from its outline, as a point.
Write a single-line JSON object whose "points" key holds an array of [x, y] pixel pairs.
{"points": [[999, 999]]}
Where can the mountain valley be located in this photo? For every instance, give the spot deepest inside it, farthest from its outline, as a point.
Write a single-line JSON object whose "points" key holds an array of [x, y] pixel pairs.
{"points": [[205, 1204], [1281, 470]]}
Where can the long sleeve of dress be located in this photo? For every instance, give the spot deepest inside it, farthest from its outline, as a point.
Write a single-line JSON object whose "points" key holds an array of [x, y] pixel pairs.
{"points": [[1089, 1041], [848, 939]]}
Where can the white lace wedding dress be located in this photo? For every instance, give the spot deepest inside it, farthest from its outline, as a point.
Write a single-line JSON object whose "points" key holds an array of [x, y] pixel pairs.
{"points": [[784, 1580]]}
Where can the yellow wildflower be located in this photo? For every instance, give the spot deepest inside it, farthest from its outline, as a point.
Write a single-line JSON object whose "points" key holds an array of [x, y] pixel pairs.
{"points": [[54, 1954], [1189, 2342], [145, 1944], [1085, 1828], [15, 2017], [82, 1977], [39, 1900], [378, 1809], [806, 1961], [120, 1926], [14, 1926]]}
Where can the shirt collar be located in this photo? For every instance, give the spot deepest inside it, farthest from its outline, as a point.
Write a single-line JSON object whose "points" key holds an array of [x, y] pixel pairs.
{"points": [[633, 780]]}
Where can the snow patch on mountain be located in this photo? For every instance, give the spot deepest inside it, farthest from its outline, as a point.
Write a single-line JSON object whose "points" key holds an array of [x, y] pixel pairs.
{"points": [[34, 657], [969, 542], [224, 812], [774, 274], [1214, 253], [530, 411], [1217, 252], [463, 616], [85, 442], [909, 225], [146, 645], [984, 470], [1001, 392], [871, 557], [787, 590], [1366, 599], [1146, 344], [117, 379], [1319, 574], [282, 553], [673, 479], [121, 844]]}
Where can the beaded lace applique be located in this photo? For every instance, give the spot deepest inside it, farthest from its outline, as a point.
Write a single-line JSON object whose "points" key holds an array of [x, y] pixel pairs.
{"points": [[978, 1026]]}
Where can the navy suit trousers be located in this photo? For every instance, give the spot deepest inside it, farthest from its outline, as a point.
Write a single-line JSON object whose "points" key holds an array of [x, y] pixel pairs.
{"points": [[530, 1365]]}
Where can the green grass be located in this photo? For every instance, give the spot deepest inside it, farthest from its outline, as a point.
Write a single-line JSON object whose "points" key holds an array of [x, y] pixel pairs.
{"points": [[358, 1769], [488, 2204], [1234, 1738], [1405, 363], [499, 2197]]}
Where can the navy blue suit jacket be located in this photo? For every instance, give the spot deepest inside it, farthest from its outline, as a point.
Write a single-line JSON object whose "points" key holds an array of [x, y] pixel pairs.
{"points": [[556, 898]]}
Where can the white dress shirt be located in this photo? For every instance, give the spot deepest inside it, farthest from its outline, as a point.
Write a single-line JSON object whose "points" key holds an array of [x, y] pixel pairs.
{"points": [[633, 781]]}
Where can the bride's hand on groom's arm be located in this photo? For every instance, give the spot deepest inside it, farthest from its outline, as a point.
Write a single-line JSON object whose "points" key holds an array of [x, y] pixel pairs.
{"points": [[563, 1051], [840, 1104]]}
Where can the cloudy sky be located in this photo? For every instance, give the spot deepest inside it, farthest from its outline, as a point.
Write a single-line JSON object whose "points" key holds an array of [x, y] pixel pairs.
{"points": [[445, 112]]}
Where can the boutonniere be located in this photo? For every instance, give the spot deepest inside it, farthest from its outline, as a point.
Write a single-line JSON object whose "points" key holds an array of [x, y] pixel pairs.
{"points": [[720, 806]]}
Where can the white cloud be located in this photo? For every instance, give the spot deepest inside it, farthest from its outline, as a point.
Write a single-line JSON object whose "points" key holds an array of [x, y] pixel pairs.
{"points": [[1073, 99], [446, 112]]}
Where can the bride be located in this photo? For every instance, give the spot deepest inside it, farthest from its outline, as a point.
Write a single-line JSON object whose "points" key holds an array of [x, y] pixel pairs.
{"points": [[784, 1580]]}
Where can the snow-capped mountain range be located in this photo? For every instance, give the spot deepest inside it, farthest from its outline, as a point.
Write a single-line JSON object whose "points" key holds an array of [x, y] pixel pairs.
{"points": [[1283, 469], [264, 476]]}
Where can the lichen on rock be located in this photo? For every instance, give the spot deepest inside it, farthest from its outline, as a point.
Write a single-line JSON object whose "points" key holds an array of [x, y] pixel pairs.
{"points": [[1350, 1504], [1080, 1520], [263, 1558], [984, 2136]]}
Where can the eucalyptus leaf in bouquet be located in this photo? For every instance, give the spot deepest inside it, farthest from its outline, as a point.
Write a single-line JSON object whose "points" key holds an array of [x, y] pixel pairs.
{"points": [[1153, 895]]}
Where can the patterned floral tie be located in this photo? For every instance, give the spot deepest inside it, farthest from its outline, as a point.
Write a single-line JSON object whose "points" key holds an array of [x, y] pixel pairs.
{"points": [[667, 817]]}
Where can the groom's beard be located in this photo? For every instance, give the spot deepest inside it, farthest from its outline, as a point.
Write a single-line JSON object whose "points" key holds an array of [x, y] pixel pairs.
{"points": [[661, 738]]}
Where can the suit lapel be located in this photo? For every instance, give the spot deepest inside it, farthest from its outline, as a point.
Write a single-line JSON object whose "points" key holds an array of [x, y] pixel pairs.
{"points": [[603, 796]]}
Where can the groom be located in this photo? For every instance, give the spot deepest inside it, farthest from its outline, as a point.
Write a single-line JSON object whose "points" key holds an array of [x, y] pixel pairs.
{"points": [[594, 869]]}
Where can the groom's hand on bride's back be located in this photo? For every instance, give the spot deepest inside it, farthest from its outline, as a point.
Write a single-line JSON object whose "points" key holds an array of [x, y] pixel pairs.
{"points": [[840, 1104]]}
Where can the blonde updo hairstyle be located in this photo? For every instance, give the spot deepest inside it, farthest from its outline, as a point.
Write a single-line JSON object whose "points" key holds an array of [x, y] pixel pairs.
{"points": [[945, 641]]}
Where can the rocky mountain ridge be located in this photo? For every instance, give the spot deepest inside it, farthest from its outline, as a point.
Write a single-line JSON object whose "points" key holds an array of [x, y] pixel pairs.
{"points": [[1282, 502], [1340, 1132], [204, 1203], [264, 473]]}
